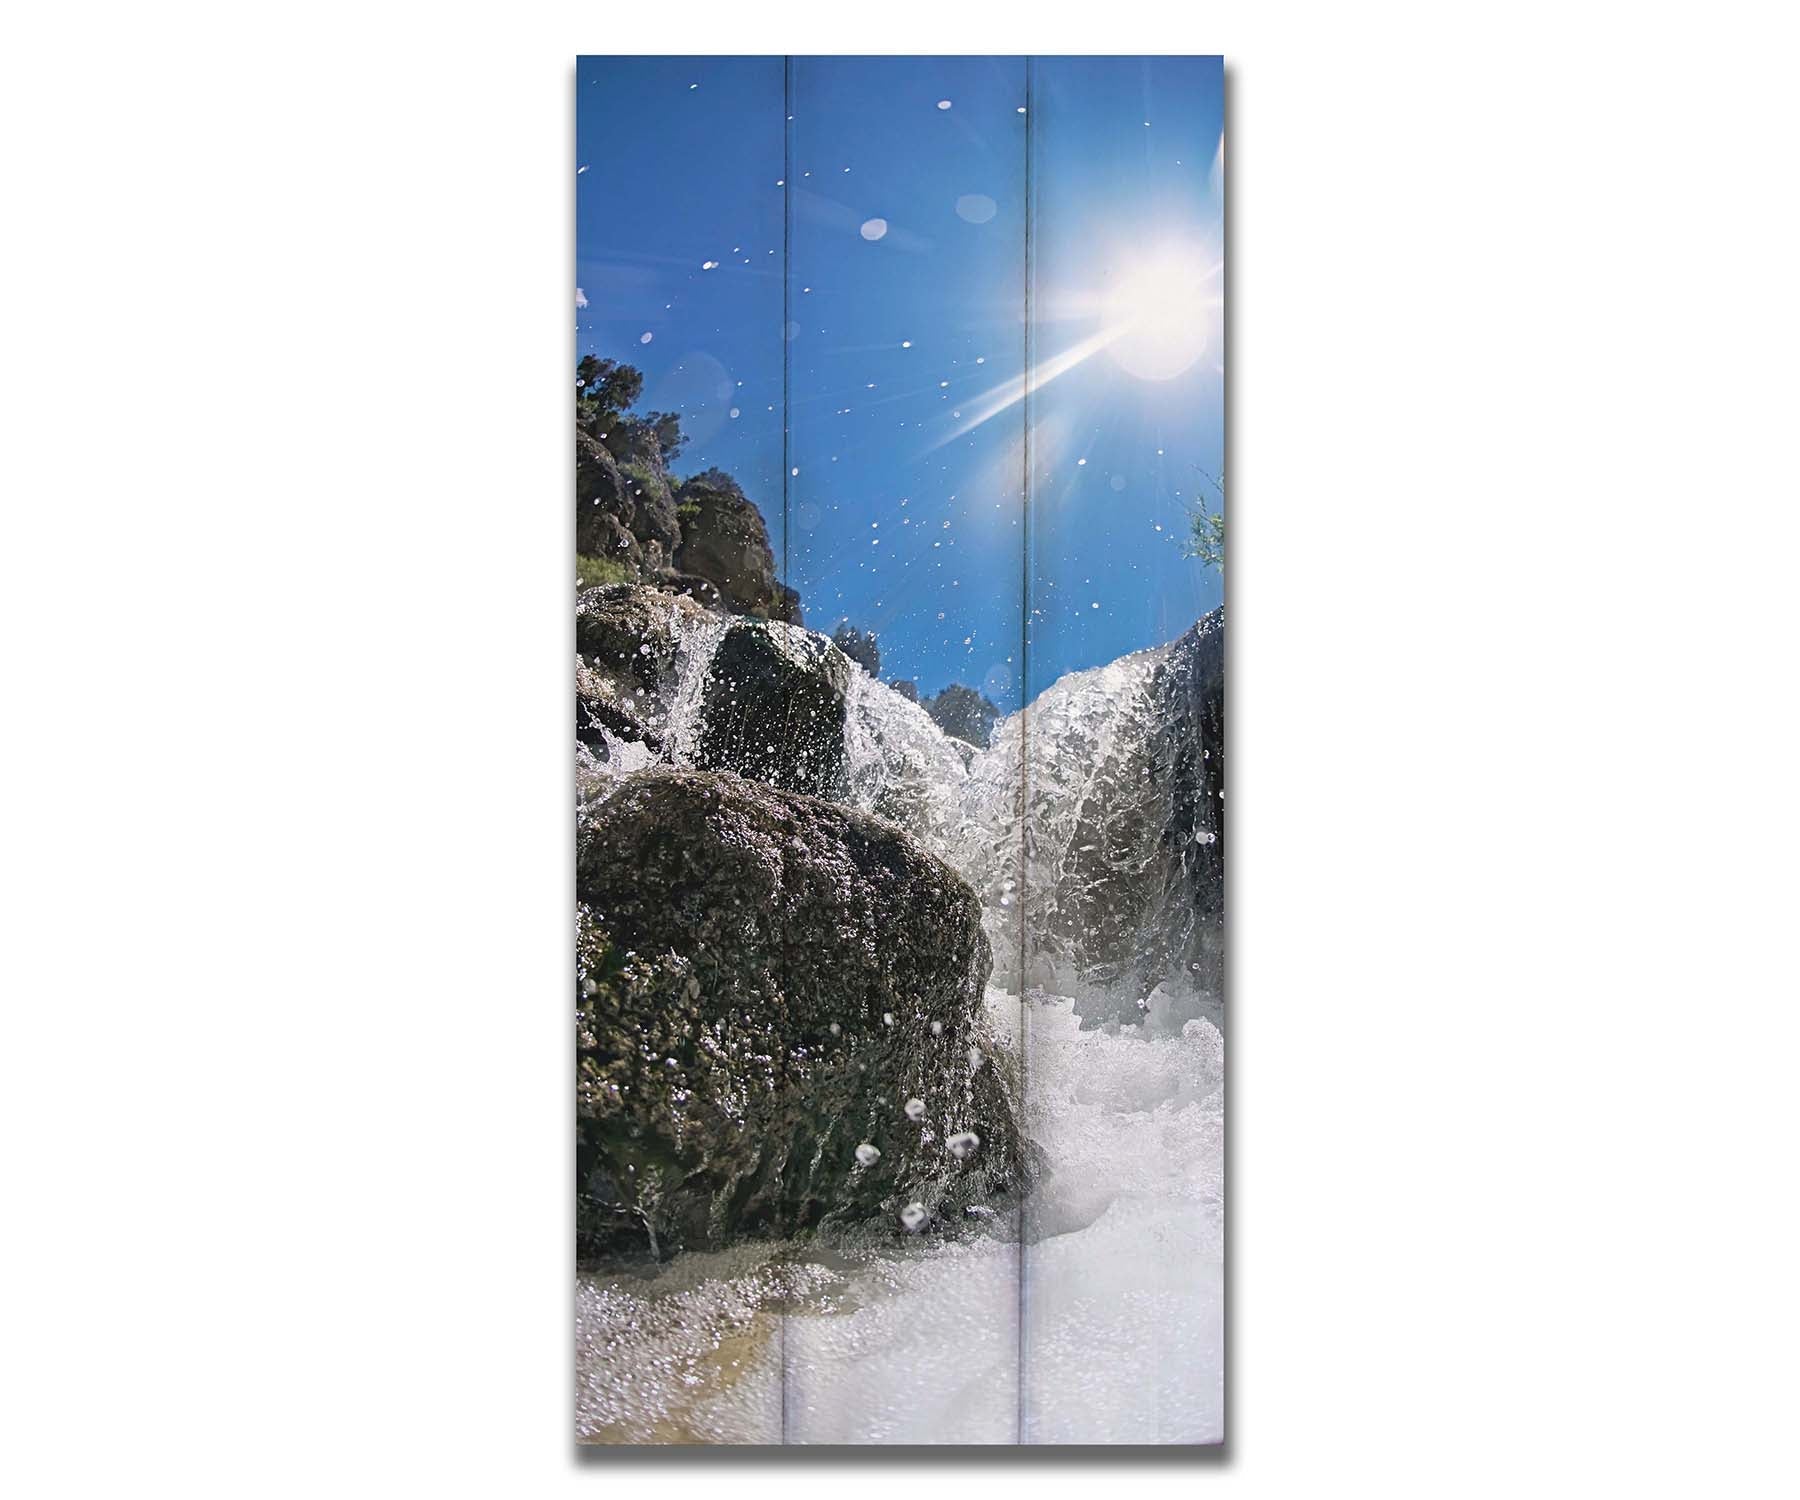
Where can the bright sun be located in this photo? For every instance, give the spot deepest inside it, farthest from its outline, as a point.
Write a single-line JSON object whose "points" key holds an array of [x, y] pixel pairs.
{"points": [[1160, 316]]}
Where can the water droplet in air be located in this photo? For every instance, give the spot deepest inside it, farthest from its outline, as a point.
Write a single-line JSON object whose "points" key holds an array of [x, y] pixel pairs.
{"points": [[867, 1154], [913, 1216], [963, 1144], [874, 229], [943, 104], [915, 1109], [645, 338], [937, 1028]]}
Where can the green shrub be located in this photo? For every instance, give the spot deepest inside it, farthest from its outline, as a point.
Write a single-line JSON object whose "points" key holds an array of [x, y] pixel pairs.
{"points": [[644, 479], [591, 572], [1207, 539]]}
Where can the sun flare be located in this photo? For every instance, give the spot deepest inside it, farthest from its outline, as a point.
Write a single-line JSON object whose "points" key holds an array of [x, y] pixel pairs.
{"points": [[1162, 313]]}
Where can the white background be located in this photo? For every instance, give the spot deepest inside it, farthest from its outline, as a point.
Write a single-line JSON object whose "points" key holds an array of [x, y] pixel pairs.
{"points": [[284, 1077]]}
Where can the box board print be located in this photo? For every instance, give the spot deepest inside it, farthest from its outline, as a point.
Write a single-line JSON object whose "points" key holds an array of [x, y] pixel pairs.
{"points": [[900, 750]]}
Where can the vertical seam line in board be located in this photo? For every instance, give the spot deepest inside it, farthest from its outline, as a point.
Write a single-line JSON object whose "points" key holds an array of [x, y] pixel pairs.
{"points": [[1024, 716], [787, 346]]}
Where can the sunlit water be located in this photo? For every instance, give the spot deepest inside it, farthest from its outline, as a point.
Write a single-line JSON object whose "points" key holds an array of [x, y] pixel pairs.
{"points": [[895, 1339], [1092, 1314]]}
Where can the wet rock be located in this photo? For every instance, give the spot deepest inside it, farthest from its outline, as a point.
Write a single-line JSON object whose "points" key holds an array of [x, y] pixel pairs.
{"points": [[1120, 853], [767, 700], [775, 707], [1187, 757], [738, 949], [702, 591], [629, 642], [1137, 898]]}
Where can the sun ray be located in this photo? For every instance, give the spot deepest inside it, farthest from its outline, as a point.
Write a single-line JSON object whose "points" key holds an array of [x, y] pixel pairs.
{"points": [[1010, 393]]}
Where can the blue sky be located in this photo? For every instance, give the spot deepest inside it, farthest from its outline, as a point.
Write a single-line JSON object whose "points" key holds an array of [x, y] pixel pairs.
{"points": [[905, 277]]}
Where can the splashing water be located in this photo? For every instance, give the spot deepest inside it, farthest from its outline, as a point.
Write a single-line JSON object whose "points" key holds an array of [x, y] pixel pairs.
{"points": [[898, 1333], [907, 1337]]}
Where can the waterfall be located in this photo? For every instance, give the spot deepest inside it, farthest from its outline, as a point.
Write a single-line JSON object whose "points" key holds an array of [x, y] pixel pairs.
{"points": [[1098, 806], [1101, 802]]}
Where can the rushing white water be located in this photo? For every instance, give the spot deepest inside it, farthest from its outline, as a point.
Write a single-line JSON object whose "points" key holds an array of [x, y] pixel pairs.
{"points": [[1090, 1314], [1109, 1314], [902, 767]]}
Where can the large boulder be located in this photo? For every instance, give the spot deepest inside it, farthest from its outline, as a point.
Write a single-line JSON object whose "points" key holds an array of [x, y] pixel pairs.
{"points": [[724, 540], [775, 707], [766, 981]]}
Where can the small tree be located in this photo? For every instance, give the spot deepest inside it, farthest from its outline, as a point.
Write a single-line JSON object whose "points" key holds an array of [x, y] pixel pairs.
{"points": [[859, 646], [1207, 540], [963, 712], [669, 436], [604, 387], [604, 393], [715, 479]]}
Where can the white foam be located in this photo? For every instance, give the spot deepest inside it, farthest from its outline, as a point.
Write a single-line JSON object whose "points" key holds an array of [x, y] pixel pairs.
{"points": [[893, 1339]]}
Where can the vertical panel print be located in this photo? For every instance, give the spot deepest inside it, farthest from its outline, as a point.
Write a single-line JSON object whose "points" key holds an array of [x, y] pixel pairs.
{"points": [[1123, 753], [899, 720]]}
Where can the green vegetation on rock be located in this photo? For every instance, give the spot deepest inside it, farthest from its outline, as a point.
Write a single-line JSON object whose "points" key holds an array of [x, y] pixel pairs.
{"points": [[594, 572], [700, 536]]}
